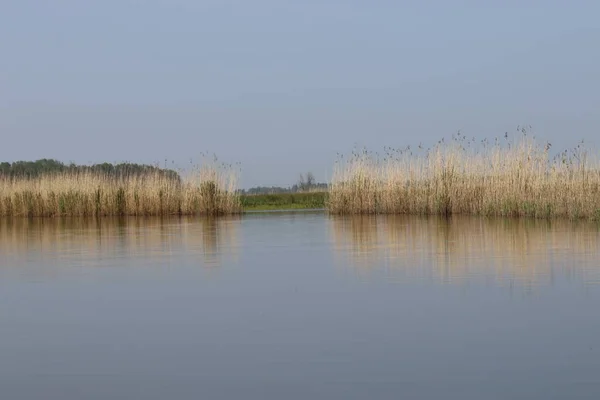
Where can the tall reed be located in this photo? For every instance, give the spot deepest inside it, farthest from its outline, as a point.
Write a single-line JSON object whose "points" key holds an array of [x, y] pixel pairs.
{"points": [[209, 190], [503, 178]]}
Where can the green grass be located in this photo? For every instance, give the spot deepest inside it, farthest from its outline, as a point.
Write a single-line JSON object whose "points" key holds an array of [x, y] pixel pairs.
{"points": [[283, 201]]}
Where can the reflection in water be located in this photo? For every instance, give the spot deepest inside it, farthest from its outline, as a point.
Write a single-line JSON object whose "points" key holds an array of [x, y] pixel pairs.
{"points": [[506, 251], [214, 234], [87, 241], [120, 308]]}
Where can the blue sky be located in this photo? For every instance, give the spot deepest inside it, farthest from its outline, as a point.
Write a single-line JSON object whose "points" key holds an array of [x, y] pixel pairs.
{"points": [[282, 86]]}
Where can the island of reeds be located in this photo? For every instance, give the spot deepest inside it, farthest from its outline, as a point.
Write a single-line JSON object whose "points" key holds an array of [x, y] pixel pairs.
{"points": [[50, 189], [511, 177]]}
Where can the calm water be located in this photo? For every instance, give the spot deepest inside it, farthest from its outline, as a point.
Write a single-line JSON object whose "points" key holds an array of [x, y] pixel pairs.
{"points": [[299, 306]]}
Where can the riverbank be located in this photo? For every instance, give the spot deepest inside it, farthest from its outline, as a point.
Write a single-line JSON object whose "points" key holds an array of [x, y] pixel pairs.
{"points": [[208, 191], [283, 201], [503, 178], [506, 178], [91, 194]]}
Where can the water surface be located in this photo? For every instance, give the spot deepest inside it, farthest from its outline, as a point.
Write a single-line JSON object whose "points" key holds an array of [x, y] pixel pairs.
{"points": [[297, 306]]}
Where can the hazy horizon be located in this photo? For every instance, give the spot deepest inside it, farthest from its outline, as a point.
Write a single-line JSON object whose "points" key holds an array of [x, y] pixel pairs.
{"points": [[282, 87]]}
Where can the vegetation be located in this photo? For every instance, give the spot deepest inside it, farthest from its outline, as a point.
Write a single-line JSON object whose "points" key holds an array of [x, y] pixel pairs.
{"points": [[284, 201], [503, 178], [306, 183], [34, 169], [507, 177], [50, 188], [209, 190]]}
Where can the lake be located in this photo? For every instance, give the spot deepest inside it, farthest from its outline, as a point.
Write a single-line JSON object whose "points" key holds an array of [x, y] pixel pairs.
{"points": [[299, 306]]}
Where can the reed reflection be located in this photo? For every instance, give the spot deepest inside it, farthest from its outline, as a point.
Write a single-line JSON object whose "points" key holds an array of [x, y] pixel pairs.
{"points": [[106, 241], [453, 250]]}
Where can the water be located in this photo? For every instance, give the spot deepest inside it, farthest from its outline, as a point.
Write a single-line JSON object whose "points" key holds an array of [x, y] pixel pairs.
{"points": [[299, 306]]}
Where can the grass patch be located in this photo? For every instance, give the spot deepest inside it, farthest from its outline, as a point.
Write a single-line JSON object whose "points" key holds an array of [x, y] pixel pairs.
{"points": [[284, 201]]}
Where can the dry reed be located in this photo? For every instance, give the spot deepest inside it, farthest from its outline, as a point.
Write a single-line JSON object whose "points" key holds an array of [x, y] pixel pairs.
{"points": [[207, 190], [503, 178]]}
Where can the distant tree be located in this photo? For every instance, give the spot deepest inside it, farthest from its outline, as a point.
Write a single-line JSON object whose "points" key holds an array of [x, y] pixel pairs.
{"points": [[266, 190], [306, 182], [31, 169], [4, 168]]}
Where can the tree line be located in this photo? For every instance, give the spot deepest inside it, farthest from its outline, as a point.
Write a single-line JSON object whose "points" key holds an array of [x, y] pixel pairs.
{"points": [[34, 169], [306, 183]]}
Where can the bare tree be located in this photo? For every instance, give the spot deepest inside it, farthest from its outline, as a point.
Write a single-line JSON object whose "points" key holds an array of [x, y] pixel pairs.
{"points": [[306, 181]]}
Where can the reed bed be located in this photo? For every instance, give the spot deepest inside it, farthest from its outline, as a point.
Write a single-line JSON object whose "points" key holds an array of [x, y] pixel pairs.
{"points": [[208, 190], [505, 177]]}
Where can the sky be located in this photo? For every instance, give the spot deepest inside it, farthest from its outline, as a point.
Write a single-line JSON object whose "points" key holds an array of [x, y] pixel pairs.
{"points": [[283, 86]]}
